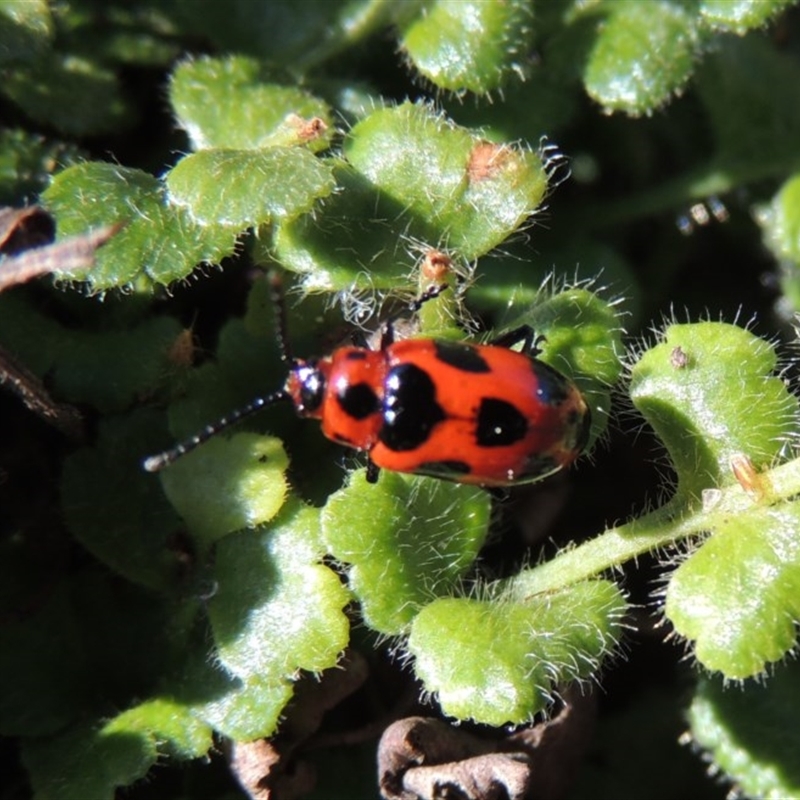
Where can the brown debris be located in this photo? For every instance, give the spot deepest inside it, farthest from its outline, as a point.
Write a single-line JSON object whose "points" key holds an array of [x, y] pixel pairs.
{"points": [[428, 759], [497, 776], [258, 768], [33, 393], [436, 266], [678, 358], [183, 349], [486, 159], [26, 251], [269, 769], [307, 129], [24, 228]]}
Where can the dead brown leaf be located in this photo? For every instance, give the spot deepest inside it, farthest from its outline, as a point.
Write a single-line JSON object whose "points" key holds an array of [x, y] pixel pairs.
{"points": [[428, 759], [269, 769], [24, 254]]}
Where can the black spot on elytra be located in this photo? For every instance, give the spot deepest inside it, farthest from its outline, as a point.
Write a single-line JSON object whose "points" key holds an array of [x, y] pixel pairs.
{"points": [[410, 409], [552, 387], [499, 423], [358, 400], [444, 469], [355, 355], [461, 356]]}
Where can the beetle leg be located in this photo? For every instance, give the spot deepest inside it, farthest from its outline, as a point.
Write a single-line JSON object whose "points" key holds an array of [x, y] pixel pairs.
{"points": [[373, 470], [525, 334], [387, 334], [358, 339], [432, 291], [499, 494]]}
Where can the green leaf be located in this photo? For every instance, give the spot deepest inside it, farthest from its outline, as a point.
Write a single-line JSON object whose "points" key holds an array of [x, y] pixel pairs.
{"points": [[739, 16], [41, 658], [88, 102], [412, 177], [174, 731], [27, 163], [299, 36], [499, 661], [87, 760], [250, 711], [140, 35], [243, 188], [677, 386], [276, 609], [232, 103], [158, 243], [737, 597], [454, 188], [780, 221], [470, 45], [26, 29], [213, 390], [582, 340], [108, 369], [95, 641], [32, 337], [113, 369], [346, 243], [751, 92], [115, 509], [242, 710], [750, 734], [406, 541], [531, 110], [643, 54], [581, 333], [131, 634], [227, 485]]}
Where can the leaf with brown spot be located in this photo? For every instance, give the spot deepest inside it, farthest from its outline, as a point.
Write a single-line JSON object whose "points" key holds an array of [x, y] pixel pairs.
{"points": [[487, 159]]}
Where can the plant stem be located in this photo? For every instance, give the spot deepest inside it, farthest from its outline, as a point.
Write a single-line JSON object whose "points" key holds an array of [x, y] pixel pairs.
{"points": [[678, 519]]}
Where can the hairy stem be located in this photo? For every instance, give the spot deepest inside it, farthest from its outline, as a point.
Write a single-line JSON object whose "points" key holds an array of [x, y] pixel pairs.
{"points": [[678, 519]]}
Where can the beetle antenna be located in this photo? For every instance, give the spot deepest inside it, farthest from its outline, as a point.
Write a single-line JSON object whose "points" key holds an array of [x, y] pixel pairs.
{"points": [[387, 335], [434, 290], [161, 460], [278, 301], [157, 462]]}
